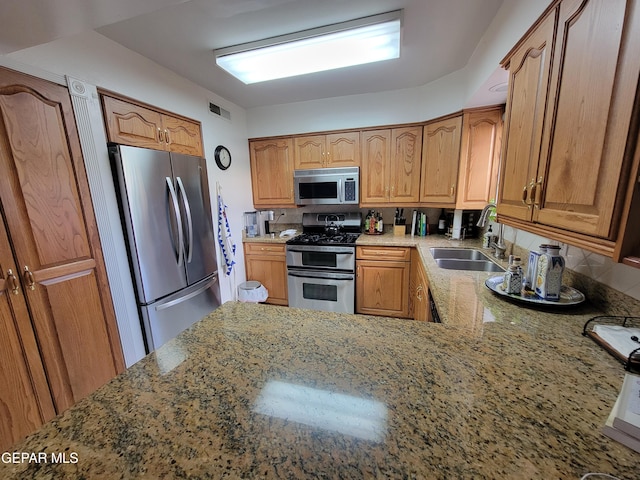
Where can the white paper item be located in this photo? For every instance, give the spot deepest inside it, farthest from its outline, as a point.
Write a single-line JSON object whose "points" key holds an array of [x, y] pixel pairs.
{"points": [[619, 337]]}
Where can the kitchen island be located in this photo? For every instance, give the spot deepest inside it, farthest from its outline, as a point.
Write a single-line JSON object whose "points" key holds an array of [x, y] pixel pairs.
{"points": [[260, 391]]}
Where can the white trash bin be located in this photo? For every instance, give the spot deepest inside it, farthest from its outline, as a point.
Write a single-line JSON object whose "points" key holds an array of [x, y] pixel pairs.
{"points": [[252, 292]]}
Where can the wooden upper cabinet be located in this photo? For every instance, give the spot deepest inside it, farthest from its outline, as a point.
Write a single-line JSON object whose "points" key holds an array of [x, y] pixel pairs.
{"points": [[49, 217], [390, 172], [570, 118], [440, 159], [479, 158], [272, 172], [374, 174], [133, 124], [588, 116], [405, 165], [343, 149], [332, 150], [309, 152], [529, 71], [182, 135]]}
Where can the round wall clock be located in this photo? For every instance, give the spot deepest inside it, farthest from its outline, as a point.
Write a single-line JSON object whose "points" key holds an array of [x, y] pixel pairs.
{"points": [[223, 157]]}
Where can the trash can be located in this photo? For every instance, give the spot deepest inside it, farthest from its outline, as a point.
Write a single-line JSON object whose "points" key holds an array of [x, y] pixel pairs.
{"points": [[252, 291]]}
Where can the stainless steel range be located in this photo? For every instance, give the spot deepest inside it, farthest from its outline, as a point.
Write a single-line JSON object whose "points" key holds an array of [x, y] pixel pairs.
{"points": [[321, 262]]}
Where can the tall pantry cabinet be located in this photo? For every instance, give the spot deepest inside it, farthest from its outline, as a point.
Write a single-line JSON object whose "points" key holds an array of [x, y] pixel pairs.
{"points": [[58, 335]]}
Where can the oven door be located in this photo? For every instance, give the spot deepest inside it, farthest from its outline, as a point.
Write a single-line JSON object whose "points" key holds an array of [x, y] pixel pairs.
{"points": [[321, 290], [321, 257]]}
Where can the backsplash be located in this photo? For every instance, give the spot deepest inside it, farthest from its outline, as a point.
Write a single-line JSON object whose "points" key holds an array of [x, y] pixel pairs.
{"points": [[584, 266]]}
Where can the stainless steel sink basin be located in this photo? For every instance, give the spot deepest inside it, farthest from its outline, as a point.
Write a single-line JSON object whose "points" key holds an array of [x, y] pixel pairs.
{"points": [[464, 259], [473, 265], [462, 253]]}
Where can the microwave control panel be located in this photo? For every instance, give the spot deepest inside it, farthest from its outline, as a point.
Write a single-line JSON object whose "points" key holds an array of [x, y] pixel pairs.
{"points": [[350, 190]]}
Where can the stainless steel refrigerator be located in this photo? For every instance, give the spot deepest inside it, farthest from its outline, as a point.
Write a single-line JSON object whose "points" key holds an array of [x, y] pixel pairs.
{"points": [[166, 210]]}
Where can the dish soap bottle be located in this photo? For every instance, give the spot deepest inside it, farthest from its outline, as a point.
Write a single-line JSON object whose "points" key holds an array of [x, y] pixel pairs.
{"points": [[486, 238], [549, 273]]}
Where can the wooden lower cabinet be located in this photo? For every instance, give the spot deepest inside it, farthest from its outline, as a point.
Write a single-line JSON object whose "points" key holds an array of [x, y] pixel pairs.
{"points": [[267, 264], [59, 338], [419, 290], [382, 281]]}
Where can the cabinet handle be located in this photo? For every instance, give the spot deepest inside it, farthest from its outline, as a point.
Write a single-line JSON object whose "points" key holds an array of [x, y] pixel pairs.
{"points": [[452, 191], [160, 135], [419, 292], [358, 271], [28, 279], [12, 282], [536, 190], [166, 136]]}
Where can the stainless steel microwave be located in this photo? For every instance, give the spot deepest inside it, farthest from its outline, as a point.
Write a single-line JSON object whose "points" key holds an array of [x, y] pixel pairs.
{"points": [[327, 186]]}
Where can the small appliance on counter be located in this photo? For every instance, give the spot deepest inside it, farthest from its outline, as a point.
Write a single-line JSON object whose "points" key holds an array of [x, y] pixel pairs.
{"points": [[256, 223]]}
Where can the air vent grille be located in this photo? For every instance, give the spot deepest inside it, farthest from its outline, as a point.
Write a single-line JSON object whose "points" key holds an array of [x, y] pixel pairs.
{"points": [[219, 111]]}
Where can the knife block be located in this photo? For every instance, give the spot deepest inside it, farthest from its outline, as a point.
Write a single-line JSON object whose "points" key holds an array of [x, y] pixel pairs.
{"points": [[399, 229]]}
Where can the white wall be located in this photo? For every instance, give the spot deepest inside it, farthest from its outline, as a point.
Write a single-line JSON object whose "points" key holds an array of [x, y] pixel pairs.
{"points": [[98, 61]]}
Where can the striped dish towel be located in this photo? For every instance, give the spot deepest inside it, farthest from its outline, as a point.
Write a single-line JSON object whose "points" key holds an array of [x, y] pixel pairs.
{"points": [[225, 240]]}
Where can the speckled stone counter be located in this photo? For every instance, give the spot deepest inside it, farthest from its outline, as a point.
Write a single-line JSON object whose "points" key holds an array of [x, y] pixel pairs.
{"points": [[259, 391]]}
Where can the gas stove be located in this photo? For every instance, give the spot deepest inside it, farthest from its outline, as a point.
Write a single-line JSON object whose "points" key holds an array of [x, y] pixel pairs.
{"points": [[321, 262], [339, 229], [337, 239]]}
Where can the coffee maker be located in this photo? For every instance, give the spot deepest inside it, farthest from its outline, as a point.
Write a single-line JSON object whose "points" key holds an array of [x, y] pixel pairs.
{"points": [[256, 223]]}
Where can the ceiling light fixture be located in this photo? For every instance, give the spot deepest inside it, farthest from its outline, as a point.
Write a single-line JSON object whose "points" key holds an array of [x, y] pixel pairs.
{"points": [[356, 42]]}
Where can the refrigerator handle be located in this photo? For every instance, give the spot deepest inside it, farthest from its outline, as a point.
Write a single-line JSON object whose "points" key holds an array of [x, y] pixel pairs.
{"points": [[187, 209], [176, 209]]}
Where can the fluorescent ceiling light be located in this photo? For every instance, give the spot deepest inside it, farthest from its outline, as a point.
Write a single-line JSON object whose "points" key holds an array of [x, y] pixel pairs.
{"points": [[366, 40]]}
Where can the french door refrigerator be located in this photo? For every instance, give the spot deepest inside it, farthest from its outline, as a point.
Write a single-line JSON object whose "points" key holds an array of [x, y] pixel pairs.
{"points": [[166, 210]]}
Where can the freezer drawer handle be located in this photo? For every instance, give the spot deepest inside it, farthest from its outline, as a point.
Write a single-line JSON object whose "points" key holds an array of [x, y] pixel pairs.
{"points": [[214, 279], [187, 209], [176, 209]]}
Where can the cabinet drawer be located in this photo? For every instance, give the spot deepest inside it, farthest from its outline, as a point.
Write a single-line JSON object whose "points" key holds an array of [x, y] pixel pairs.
{"points": [[261, 248], [402, 254]]}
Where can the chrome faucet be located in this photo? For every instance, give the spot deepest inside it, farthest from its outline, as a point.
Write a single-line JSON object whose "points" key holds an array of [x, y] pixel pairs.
{"points": [[499, 246]]}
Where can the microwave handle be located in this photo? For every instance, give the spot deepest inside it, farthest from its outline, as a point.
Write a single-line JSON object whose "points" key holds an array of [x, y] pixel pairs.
{"points": [[340, 196]]}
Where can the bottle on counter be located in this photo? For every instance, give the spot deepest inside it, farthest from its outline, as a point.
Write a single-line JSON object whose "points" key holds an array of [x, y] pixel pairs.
{"points": [[486, 238], [549, 273], [512, 282], [379, 225]]}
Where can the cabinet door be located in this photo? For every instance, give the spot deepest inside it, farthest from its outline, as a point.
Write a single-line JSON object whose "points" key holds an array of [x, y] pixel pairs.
{"points": [[49, 217], [267, 264], [588, 117], [343, 149], [419, 290], [479, 158], [309, 152], [272, 172], [382, 288], [24, 392], [130, 124], [374, 174], [529, 70], [440, 158], [182, 136], [405, 165]]}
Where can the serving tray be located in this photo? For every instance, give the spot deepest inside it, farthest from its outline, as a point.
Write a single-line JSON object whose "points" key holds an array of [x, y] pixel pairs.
{"points": [[568, 295]]}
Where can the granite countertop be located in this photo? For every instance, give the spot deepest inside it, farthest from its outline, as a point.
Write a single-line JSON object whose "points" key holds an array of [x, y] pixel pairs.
{"points": [[495, 391]]}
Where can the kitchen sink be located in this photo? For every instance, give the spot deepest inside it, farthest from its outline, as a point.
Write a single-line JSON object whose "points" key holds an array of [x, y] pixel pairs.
{"points": [[464, 259], [458, 253]]}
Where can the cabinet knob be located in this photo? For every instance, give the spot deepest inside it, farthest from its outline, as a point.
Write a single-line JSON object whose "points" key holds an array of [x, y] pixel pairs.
{"points": [[12, 282], [28, 279]]}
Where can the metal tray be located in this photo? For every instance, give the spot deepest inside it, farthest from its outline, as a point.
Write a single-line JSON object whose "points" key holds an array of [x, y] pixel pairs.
{"points": [[568, 295]]}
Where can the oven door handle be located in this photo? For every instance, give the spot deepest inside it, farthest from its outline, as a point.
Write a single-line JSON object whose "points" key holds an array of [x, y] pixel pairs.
{"points": [[337, 252], [328, 276]]}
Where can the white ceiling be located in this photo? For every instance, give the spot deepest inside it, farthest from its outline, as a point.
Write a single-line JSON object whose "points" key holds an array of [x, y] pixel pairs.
{"points": [[438, 37]]}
